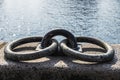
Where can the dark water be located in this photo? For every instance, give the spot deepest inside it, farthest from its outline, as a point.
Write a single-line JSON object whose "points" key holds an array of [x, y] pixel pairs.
{"points": [[96, 18]]}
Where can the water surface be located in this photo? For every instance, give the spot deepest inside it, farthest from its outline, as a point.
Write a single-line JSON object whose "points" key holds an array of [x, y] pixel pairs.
{"points": [[95, 18]]}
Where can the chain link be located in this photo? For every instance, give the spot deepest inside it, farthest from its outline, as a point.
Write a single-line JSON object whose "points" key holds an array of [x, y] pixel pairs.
{"points": [[50, 46], [101, 57], [19, 56]]}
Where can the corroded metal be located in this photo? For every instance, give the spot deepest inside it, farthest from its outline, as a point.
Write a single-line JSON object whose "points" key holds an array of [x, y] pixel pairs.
{"points": [[71, 39], [17, 56], [102, 57], [68, 46]]}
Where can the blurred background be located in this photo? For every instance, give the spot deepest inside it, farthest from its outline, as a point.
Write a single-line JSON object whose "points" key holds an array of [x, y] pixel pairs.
{"points": [[95, 18]]}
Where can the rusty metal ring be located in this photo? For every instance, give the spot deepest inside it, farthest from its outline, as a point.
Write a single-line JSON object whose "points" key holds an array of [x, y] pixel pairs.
{"points": [[102, 57], [71, 39], [19, 56]]}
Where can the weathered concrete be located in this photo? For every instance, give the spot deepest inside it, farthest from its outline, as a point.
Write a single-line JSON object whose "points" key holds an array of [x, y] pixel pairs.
{"points": [[2, 44], [59, 67]]}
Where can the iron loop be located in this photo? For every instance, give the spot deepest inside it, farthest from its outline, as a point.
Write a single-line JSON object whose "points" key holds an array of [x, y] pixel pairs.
{"points": [[70, 37], [102, 57], [19, 56]]}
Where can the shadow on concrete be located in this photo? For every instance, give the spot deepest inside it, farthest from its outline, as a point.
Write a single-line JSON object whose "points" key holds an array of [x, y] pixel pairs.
{"points": [[54, 59], [60, 68]]}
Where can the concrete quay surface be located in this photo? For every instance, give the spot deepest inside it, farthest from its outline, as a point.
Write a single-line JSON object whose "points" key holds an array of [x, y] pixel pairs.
{"points": [[60, 67]]}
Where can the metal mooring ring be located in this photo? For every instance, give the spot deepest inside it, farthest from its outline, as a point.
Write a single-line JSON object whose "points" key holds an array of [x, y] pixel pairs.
{"points": [[71, 39], [18, 56], [102, 57]]}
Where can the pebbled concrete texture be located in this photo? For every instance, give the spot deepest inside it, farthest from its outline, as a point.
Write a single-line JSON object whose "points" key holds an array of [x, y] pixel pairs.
{"points": [[60, 67]]}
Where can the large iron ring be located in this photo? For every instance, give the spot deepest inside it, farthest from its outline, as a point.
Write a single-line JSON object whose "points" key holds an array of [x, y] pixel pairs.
{"points": [[71, 39], [102, 57], [17, 56]]}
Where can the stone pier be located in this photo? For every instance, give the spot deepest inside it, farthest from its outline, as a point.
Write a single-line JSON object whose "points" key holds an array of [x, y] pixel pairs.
{"points": [[59, 67]]}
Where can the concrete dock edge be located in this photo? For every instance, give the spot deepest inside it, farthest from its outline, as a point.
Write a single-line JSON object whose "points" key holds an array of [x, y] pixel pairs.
{"points": [[60, 67]]}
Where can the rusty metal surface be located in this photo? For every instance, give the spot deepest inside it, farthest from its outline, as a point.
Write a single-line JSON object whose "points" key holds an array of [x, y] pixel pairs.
{"points": [[18, 56], [59, 67], [103, 57]]}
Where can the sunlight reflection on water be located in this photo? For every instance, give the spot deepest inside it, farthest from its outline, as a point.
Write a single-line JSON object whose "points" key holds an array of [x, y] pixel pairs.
{"points": [[96, 18]]}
